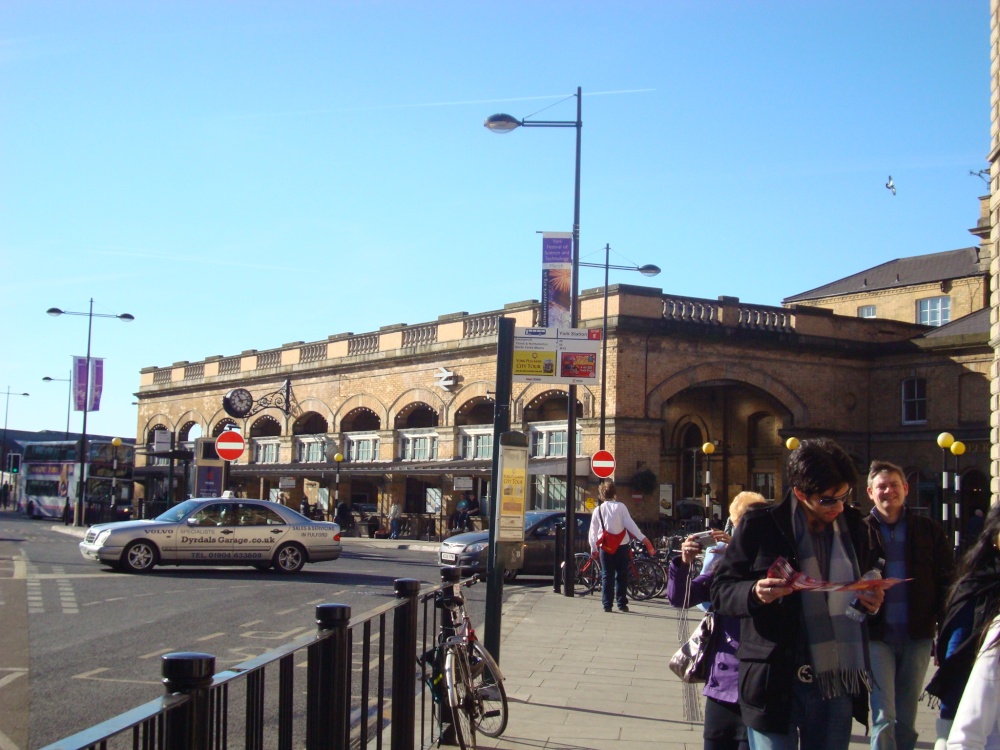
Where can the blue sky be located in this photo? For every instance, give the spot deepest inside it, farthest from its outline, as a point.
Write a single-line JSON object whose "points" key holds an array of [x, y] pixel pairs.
{"points": [[239, 175]]}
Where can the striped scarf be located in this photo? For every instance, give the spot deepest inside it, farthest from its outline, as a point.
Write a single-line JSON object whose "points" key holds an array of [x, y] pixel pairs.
{"points": [[837, 644]]}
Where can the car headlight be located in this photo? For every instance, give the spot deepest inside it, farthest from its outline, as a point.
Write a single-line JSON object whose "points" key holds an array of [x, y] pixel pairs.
{"points": [[102, 538], [477, 547]]}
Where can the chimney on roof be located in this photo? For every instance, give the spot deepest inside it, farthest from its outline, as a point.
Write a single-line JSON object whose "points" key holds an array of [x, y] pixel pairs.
{"points": [[864, 283], [897, 278]]}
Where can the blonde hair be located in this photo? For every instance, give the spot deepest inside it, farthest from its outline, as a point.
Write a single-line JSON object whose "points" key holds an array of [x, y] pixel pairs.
{"points": [[742, 503]]}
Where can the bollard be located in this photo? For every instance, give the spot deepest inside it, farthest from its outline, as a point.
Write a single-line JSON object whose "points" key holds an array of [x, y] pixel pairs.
{"points": [[558, 559], [328, 681], [190, 673], [404, 665]]}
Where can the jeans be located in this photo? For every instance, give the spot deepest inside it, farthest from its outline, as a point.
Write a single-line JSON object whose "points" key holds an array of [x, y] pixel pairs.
{"points": [[395, 524], [814, 724], [614, 584], [899, 668]]}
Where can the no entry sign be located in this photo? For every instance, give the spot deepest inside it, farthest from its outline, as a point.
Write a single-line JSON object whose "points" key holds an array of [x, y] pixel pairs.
{"points": [[602, 464], [230, 445]]}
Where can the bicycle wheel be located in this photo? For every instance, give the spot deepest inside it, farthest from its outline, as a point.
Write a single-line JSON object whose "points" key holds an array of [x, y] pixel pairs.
{"points": [[642, 580], [488, 684], [461, 696], [588, 573]]}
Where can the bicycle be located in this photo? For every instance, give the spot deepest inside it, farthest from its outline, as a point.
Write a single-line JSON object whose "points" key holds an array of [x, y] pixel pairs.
{"points": [[472, 681], [643, 574]]}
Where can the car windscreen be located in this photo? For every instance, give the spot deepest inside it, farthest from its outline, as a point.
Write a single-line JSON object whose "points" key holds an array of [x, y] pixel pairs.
{"points": [[534, 516], [178, 512]]}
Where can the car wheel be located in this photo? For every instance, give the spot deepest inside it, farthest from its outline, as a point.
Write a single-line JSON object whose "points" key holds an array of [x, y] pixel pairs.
{"points": [[509, 576], [139, 557], [289, 558]]}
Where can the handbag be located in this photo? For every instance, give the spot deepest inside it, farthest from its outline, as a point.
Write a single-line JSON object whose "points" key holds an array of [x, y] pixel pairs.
{"points": [[605, 539], [691, 660]]}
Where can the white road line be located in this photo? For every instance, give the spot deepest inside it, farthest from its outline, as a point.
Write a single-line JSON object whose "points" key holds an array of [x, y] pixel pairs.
{"points": [[6, 743], [154, 654], [209, 637], [248, 624], [14, 674]]}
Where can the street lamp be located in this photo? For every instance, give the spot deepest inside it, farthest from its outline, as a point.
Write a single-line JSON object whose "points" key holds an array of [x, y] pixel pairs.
{"points": [[81, 480], [69, 395], [944, 441], [116, 444], [708, 449], [503, 123], [6, 412], [337, 459], [646, 270], [957, 449]]}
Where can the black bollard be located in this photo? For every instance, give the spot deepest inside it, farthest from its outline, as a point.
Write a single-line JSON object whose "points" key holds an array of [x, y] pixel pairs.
{"points": [[557, 561], [328, 681], [190, 673]]}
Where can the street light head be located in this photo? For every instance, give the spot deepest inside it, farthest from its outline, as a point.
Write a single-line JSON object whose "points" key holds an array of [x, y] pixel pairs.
{"points": [[957, 448], [945, 439], [338, 457], [501, 123], [127, 317], [649, 270], [47, 379], [55, 312], [117, 442]]}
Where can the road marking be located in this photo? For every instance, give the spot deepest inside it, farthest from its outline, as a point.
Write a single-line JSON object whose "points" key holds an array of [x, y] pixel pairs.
{"points": [[271, 635], [210, 637], [248, 624], [6, 743], [154, 654], [15, 672], [90, 676]]}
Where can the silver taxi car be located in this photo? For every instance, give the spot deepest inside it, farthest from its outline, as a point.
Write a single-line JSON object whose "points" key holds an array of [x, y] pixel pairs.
{"points": [[215, 531]]}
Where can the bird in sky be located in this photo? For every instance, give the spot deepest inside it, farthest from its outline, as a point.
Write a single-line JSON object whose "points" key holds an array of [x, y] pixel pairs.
{"points": [[891, 185]]}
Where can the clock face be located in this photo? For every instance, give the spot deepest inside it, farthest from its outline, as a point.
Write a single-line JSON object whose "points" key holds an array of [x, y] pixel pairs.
{"points": [[238, 402]]}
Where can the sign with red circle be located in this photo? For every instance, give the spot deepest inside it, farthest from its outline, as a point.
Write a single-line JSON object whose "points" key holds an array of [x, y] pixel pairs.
{"points": [[230, 445], [602, 464]]}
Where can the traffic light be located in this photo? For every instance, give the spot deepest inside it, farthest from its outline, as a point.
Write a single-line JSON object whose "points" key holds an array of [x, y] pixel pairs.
{"points": [[14, 463]]}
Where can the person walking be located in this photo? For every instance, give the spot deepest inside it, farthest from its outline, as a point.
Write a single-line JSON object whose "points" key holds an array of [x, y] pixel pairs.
{"points": [[613, 519], [902, 632], [804, 668], [724, 728], [395, 520], [973, 602]]}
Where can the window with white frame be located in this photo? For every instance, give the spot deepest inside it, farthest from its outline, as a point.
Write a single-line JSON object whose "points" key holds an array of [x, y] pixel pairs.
{"points": [[266, 451], [476, 443], [418, 445], [914, 401], [549, 440], [362, 446], [934, 311], [311, 450], [866, 311]]}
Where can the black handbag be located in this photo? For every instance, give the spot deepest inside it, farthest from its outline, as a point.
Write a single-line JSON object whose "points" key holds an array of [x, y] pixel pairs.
{"points": [[691, 660]]}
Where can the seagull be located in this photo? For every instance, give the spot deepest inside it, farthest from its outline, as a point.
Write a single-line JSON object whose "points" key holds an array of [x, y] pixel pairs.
{"points": [[891, 185]]}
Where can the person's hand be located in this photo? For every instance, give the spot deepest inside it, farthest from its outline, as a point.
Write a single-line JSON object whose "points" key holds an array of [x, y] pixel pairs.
{"points": [[649, 547], [769, 590], [721, 536], [689, 550], [871, 600]]}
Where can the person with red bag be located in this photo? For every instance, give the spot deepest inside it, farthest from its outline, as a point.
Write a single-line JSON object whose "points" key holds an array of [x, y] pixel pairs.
{"points": [[608, 526]]}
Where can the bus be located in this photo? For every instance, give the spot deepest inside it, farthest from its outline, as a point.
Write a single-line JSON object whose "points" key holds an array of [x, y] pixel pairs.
{"points": [[49, 479]]}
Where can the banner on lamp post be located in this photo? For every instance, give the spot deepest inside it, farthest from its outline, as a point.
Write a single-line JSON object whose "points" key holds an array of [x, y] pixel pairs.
{"points": [[557, 279], [80, 383], [96, 383]]}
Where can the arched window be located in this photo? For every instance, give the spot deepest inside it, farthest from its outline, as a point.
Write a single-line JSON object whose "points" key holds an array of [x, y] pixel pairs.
{"points": [[691, 462]]}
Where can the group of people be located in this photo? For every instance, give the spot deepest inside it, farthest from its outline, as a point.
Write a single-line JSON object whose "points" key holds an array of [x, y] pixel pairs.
{"points": [[793, 668]]}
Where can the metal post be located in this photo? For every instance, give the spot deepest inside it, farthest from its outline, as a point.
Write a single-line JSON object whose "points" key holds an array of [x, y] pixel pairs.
{"points": [[189, 727], [501, 424], [81, 484], [404, 665], [328, 680], [604, 343], [557, 560]]}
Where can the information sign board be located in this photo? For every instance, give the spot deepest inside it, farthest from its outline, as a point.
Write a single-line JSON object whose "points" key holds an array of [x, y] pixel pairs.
{"points": [[567, 356]]}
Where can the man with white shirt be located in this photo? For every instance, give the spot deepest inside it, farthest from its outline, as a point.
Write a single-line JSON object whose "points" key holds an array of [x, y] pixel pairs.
{"points": [[613, 518]]}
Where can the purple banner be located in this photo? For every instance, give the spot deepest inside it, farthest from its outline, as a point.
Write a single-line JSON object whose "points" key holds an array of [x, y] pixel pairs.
{"points": [[557, 279], [96, 383], [79, 383]]}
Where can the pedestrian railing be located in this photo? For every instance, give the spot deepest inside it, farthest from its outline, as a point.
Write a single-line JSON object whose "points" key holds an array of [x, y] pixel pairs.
{"points": [[354, 683]]}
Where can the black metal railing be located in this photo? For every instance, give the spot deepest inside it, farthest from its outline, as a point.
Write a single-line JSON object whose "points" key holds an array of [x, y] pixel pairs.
{"points": [[354, 697]]}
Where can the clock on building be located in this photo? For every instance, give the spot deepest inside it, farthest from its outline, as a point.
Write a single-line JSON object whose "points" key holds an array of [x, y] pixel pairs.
{"points": [[238, 402]]}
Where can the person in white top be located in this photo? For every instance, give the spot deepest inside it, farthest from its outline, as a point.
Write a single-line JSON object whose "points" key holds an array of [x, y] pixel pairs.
{"points": [[613, 518], [975, 726]]}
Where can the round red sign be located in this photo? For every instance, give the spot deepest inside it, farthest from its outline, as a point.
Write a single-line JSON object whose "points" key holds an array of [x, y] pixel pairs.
{"points": [[230, 445], [602, 464]]}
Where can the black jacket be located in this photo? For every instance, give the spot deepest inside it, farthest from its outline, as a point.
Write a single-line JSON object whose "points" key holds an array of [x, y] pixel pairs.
{"points": [[770, 633], [930, 562]]}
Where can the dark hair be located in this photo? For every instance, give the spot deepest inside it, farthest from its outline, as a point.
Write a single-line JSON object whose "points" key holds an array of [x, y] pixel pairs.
{"points": [[884, 467], [820, 464], [607, 490], [980, 556]]}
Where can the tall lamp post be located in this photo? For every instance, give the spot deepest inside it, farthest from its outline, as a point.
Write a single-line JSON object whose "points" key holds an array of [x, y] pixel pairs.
{"points": [[945, 441], [503, 123], [81, 480], [647, 270], [337, 459], [6, 413], [708, 449], [957, 449], [69, 395]]}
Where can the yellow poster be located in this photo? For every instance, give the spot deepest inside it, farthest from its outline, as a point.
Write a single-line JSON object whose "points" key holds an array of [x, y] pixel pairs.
{"points": [[512, 487], [541, 363]]}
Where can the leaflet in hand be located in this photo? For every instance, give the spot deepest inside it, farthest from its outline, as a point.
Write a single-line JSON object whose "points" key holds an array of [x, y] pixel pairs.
{"points": [[801, 582]]}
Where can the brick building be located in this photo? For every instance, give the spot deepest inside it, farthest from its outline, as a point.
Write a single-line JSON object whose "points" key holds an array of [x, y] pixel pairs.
{"points": [[410, 408]]}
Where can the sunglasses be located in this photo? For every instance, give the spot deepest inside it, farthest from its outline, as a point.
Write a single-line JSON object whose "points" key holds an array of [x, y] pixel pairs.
{"points": [[827, 500]]}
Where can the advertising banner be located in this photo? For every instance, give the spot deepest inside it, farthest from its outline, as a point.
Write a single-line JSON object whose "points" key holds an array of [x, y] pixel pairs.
{"points": [[79, 383], [568, 356], [96, 383], [557, 279]]}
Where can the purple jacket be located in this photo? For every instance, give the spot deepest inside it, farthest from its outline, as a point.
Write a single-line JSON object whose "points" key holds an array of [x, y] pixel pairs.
{"points": [[723, 676]]}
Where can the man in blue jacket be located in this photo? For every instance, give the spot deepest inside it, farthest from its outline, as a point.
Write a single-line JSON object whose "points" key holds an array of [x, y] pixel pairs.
{"points": [[804, 666]]}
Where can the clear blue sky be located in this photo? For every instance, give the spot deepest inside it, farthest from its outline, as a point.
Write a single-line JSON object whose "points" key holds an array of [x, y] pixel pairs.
{"points": [[241, 175]]}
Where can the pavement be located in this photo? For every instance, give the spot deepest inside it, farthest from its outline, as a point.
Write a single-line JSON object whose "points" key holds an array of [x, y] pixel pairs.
{"points": [[578, 678]]}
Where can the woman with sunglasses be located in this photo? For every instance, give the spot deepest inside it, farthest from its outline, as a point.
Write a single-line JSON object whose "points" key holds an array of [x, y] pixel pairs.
{"points": [[804, 666]]}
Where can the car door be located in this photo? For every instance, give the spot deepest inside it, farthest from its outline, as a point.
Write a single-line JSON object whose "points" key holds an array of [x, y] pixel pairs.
{"points": [[207, 534], [540, 546], [258, 532]]}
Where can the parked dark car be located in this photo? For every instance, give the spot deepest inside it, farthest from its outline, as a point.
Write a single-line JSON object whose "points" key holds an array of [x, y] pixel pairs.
{"points": [[469, 551]]}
